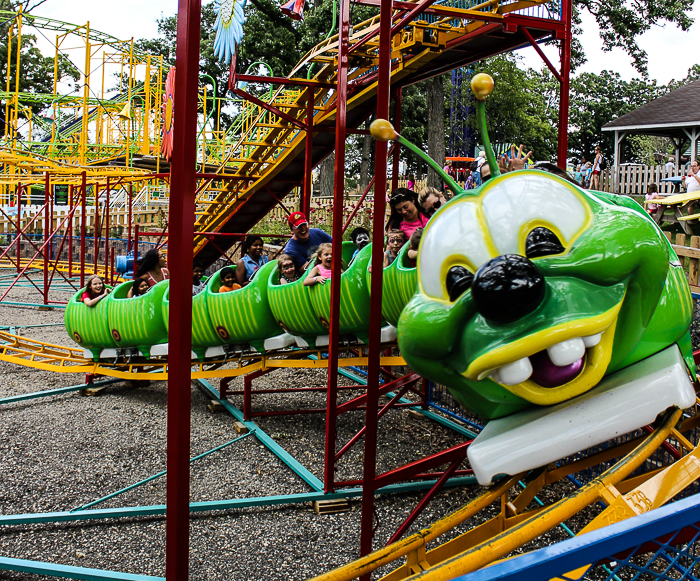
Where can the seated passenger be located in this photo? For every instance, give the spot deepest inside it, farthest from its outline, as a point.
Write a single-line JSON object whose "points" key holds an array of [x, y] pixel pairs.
{"points": [[652, 194], [287, 270], [360, 238], [152, 268], [252, 259], [406, 213], [197, 273], [320, 273], [95, 291], [396, 240], [140, 287], [304, 241], [431, 200], [413, 243], [228, 280]]}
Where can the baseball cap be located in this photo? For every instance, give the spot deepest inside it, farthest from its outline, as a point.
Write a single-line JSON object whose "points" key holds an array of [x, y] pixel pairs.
{"points": [[296, 219]]}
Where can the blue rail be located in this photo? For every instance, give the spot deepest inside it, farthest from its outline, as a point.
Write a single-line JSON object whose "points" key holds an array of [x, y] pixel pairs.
{"points": [[661, 544]]}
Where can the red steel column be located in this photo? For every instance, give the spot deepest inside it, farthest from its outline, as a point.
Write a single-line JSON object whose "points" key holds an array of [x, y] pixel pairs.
{"points": [[397, 147], [375, 312], [308, 160], [70, 231], [47, 227], [131, 201], [183, 182], [136, 250], [107, 229], [83, 219], [338, 193], [95, 243], [19, 226], [565, 54]]}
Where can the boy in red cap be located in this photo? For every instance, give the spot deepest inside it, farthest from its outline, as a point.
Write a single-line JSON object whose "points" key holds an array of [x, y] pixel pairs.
{"points": [[304, 240]]}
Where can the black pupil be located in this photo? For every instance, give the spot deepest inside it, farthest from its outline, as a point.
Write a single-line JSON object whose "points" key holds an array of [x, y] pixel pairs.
{"points": [[542, 242], [459, 279]]}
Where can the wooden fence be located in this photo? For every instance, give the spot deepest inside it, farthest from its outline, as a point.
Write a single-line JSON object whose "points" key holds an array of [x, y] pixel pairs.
{"points": [[635, 179], [689, 257], [118, 220]]}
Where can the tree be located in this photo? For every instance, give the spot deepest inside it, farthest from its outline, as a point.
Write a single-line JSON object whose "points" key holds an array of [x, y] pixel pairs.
{"points": [[436, 126], [621, 23], [520, 109], [36, 71], [597, 100]]}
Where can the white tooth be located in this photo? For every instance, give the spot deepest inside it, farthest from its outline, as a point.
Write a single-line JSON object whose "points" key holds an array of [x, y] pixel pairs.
{"points": [[493, 374], [566, 352], [592, 340], [485, 374], [514, 373]]}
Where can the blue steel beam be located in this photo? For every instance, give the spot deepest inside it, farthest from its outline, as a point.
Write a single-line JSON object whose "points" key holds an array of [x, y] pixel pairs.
{"points": [[163, 473], [39, 568], [556, 560], [266, 440], [57, 391], [213, 505]]}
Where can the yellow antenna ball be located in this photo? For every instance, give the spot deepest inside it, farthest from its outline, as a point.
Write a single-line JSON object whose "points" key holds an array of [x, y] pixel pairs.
{"points": [[482, 85], [382, 130]]}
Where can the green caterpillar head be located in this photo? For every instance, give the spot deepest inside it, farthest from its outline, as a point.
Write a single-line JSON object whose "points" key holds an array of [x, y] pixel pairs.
{"points": [[534, 290], [531, 290]]}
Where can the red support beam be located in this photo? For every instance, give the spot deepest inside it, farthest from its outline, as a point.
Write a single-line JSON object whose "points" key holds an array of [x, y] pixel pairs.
{"points": [[19, 226], [183, 184], [565, 53], [107, 230], [47, 238], [424, 501], [375, 311], [336, 269], [287, 82], [396, 148], [271, 108], [543, 56], [70, 231], [83, 221], [136, 249], [408, 471], [308, 154]]}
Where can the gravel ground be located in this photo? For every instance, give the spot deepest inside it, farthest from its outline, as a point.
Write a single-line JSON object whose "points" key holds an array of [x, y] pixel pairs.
{"points": [[61, 452]]}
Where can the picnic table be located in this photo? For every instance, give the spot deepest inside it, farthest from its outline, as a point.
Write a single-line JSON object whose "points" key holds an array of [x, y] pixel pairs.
{"points": [[678, 203]]}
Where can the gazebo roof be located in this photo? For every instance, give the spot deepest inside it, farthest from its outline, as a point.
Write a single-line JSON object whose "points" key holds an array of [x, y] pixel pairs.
{"points": [[666, 115]]}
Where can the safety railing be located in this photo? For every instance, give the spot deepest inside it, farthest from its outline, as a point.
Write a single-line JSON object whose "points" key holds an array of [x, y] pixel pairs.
{"points": [[661, 544]]}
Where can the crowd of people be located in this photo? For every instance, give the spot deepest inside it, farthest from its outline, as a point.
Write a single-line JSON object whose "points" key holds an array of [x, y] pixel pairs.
{"points": [[410, 212]]}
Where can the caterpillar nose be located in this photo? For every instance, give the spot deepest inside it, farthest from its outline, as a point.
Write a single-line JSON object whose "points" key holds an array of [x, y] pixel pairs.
{"points": [[507, 288]]}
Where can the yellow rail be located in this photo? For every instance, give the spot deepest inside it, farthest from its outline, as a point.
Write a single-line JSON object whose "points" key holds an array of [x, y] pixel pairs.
{"points": [[61, 359], [515, 526]]}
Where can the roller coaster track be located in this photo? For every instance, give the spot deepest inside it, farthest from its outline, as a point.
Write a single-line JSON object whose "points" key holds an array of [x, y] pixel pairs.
{"points": [[267, 161], [634, 482], [60, 359]]}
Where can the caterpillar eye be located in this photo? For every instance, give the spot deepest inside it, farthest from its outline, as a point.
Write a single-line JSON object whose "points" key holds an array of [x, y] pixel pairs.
{"points": [[459, 279], [542, 242]]}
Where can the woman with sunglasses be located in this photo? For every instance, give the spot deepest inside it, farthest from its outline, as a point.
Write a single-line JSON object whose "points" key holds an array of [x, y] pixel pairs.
{"points": [[431, 200], [406, 213]]}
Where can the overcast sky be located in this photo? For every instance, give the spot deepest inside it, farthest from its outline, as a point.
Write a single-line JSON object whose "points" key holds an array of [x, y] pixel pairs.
{"points": [[671, 52]]}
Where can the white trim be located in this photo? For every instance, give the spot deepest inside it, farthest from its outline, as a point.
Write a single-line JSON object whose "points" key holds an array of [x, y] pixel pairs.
{"points": [[620, 403], [682, 124]]}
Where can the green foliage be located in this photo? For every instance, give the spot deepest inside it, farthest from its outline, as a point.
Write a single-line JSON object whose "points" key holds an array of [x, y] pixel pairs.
{"points": [[36, 71], [597, 100], [621, 23], [648, 149], [520, 109]]}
